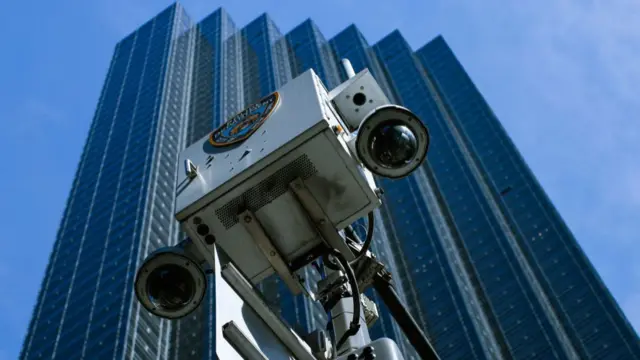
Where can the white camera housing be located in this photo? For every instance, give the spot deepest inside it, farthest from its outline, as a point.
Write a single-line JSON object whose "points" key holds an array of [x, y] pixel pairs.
{"points": [[384, 116], [357, 97], [178, 257], [301, 138]]}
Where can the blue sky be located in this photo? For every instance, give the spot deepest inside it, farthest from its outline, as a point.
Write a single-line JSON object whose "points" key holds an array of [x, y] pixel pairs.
{"points": [[561, 75]]}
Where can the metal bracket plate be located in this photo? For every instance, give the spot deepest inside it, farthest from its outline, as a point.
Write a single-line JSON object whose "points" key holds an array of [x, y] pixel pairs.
{"points": [[319, 219], [252, 224]]}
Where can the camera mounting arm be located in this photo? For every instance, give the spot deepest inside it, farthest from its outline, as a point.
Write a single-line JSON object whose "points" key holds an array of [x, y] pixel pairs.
{"points": [[191, 251]]}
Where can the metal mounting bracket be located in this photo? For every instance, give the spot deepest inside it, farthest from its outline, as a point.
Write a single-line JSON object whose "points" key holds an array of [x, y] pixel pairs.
{"points": [[252, 224], [319, 219]]}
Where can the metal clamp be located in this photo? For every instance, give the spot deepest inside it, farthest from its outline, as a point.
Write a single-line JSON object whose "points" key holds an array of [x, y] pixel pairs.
{"points": [[366, 269], [190, 169]]}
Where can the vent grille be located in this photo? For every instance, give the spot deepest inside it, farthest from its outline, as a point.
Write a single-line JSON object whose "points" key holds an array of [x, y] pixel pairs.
{"points": [[265, 191]]}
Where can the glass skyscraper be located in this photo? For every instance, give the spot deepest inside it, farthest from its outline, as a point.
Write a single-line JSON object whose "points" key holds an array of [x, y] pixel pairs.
{"points": [[479, 254], [120, 206]]}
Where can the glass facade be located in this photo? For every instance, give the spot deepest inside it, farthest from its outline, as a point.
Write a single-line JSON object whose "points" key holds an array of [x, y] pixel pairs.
{"points": [[478, 252], [569, 305], [120, 207]]}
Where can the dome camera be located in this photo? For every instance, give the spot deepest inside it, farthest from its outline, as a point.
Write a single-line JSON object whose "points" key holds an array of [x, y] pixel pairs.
{"points": [[170, 284], [392, 142]]}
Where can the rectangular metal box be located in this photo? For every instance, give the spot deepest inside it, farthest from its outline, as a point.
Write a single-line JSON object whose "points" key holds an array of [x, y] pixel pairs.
{"points": [[298, 140]]}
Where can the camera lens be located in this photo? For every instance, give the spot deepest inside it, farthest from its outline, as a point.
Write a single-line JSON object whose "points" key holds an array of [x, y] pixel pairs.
{"points": [[392, 144], [170, 287]]}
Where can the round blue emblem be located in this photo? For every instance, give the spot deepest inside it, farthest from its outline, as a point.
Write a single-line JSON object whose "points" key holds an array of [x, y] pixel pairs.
{"points": [[242, 125]]}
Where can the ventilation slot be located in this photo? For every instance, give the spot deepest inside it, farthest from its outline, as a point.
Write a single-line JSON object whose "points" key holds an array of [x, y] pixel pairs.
{"points": [[265, 191]]}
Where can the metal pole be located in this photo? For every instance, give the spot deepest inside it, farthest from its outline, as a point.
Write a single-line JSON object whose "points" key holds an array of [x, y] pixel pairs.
{"points": [[246, 291], [348, 68], [407, 323], [240, 343]]}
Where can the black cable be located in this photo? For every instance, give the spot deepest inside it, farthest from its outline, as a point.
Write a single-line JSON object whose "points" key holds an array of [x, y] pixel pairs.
{"points": [[351, 235], [354, 327], [367, 241]]}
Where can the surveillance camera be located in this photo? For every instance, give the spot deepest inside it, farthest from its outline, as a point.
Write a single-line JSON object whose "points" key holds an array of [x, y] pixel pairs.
{"points": [[392, 142], [271, 190], [247, 186], [170, 283], [246, 169]]}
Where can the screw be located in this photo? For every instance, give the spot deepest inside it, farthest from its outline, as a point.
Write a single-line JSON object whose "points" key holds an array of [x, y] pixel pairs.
{"points": [[247, 219], [272, 253]]}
